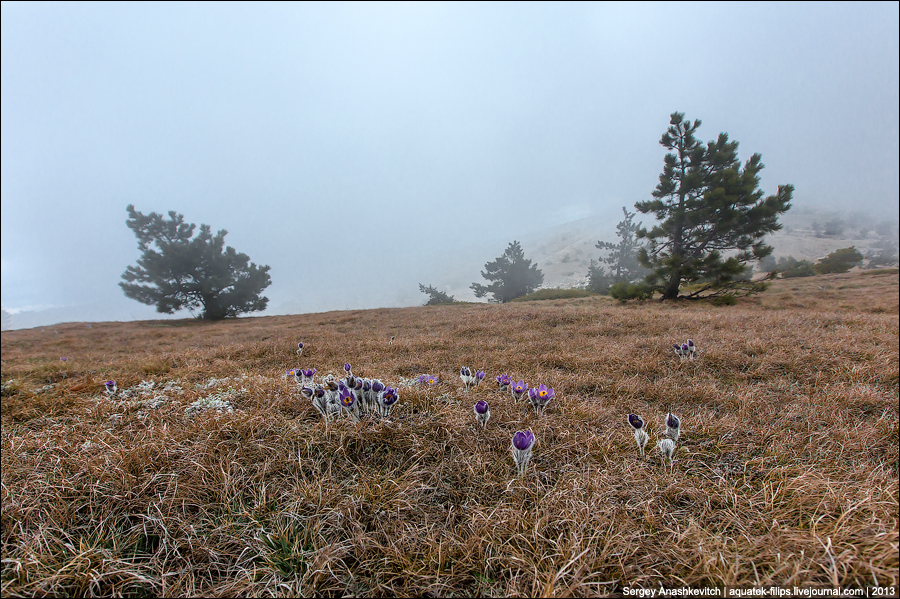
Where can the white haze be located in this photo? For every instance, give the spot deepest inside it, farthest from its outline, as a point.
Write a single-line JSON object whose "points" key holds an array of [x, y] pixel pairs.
{"points": [[361, 149]]}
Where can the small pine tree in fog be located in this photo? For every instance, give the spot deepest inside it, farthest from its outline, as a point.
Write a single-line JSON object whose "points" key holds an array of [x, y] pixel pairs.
{"points": [[623, 255], [598, 279], [179, 270], [436, 297], [512, 276]]}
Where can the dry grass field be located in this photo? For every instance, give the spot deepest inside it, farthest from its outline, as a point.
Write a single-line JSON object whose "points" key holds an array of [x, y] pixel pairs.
{"points": [[786, 472]]}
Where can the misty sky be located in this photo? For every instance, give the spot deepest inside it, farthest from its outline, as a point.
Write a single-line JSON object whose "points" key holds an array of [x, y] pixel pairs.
{"points": [[355, 148]]}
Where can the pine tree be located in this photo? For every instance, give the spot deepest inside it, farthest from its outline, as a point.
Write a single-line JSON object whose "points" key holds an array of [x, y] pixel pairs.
{"points": [[707, 205], [512, 275], [622, 259], [183, 271], [436, 297]]}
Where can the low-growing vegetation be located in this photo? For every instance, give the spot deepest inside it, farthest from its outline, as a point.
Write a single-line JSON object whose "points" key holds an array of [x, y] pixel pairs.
{"points": [[207, 474], [548, 294]]}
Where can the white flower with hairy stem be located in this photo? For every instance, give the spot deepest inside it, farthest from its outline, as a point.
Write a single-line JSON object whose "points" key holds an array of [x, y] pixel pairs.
{"points": [[666, 449], [465, 373], [640, 435], [482, 412], [673, 427], [522, 443]]}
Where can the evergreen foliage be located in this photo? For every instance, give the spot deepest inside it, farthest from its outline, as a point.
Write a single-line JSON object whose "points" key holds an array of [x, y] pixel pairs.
{"points": [[839, 261], [623, 256], [512, 276], [707, 204], [184, 271], [598, 279], [436, 297], [790, 267], [552, 294], [625, 291]]}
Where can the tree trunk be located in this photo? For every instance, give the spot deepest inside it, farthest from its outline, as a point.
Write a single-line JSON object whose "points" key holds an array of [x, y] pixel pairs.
{"points": [[672, 287]]}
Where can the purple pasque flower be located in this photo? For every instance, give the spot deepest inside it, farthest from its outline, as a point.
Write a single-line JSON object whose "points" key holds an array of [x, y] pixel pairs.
{"points": [[64, 359], [523, 440], [346, 397], [635, 421], [482, 412], [389, 396], [428, 379], [377, 386], [673, 426], [479, 376], [306, 375], [522, 443], [347, 369], [386, 400], [111, 387], [518, 389], [503, 382], [691, 348], [640, 435], [299, 348], [347, 400], [540, 397]]}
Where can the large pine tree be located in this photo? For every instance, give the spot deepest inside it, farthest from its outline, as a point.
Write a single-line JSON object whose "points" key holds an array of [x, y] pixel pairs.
{"points": [[183, 271], [707, 205]]}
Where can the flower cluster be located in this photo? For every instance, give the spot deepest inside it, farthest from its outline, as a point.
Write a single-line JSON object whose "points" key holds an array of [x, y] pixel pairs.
{"points": [[540, 397], [429, 380], [685, 350], [666, 445], [471, 377], [353, 395]]}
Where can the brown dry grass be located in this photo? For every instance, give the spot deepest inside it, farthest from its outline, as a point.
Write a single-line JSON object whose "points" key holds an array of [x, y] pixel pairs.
{"points": [[786, 472]]}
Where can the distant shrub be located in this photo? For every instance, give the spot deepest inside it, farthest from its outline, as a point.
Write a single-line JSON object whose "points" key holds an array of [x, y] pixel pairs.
{"points": [[629, 291], [548, 294], [834, 227], [768, 264], [888, 255], [839, 261], [790, 267], [883, 271], [724, 300]]}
